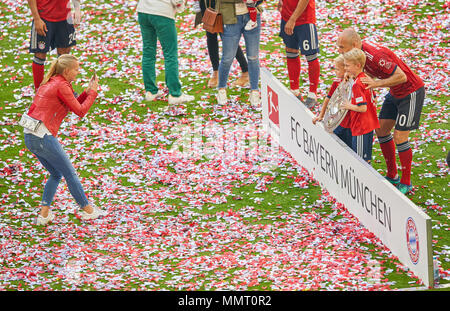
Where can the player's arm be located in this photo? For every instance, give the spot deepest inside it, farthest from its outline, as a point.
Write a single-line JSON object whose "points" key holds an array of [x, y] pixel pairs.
{"points": [[290, 24], [398, 77], [39, 24]]}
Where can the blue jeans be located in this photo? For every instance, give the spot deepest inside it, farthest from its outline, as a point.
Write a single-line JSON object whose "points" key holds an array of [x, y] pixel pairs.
{"points": [[52, 156], [230, 43]]}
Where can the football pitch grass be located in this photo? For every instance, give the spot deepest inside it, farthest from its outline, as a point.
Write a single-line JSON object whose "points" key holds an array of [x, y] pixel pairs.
{"points": [[225, 213]]}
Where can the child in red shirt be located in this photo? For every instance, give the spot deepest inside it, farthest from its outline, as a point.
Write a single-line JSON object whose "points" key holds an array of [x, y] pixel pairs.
{"points": [[363, 113], [342, 131]]}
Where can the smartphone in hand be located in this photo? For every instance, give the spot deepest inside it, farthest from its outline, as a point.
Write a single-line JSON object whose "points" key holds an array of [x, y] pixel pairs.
{"points": [[93, 84]]}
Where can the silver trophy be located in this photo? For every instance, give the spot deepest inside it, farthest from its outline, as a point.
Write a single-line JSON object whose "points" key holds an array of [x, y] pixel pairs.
{"points": [[334, 114]]}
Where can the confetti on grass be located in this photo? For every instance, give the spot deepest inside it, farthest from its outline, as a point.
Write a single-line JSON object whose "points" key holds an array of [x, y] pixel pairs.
{"points": [[169, 177]]}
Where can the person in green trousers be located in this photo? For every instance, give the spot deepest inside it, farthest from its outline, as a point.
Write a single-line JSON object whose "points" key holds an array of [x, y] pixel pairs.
{"points": [[157, 22]]}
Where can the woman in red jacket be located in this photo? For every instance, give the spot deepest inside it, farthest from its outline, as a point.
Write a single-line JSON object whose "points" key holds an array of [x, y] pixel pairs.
{"points": [[53, 101]]}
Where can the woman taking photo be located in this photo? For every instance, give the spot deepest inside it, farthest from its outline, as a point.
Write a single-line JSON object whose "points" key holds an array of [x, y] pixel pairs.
{"points": [[53, 101]]}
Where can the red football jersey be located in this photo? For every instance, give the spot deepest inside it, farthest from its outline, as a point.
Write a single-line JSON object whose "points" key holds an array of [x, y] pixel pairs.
{"points": [[308, 16], [333, 87], [53, 10], [382, 62], [362, 122]]}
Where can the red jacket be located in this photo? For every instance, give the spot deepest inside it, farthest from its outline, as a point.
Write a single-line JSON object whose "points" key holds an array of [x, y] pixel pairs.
{"points": [[55, 99]]}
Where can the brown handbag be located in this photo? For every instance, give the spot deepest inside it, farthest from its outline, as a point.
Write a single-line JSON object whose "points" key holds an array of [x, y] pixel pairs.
{"points": [[212, 20]]}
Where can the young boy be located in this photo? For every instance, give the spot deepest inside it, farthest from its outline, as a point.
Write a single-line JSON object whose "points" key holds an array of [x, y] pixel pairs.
{"points": [[363, 114], [342, 131]]}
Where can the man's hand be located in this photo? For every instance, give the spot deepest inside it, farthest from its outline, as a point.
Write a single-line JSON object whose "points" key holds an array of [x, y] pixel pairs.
{"points": [[289, 27], [299, 9], [371, 83], [41, 27], [76, 17], [39, 24]]}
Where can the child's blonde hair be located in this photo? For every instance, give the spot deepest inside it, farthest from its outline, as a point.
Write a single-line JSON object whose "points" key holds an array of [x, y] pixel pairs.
{"points": [[58, 66], [357, 56], [339, 61]]}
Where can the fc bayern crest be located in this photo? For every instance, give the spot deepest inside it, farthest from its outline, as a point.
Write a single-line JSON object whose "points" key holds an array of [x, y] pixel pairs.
{"points": [[412, 240]]}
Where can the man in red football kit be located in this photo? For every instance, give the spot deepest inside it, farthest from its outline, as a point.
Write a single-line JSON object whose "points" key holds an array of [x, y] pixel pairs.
{"points": [[299, 32], [52, 27], [401, 108]]}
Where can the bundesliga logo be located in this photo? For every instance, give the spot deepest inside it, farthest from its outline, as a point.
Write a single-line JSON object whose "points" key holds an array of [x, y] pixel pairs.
{"points": [[412, 240], [273, 106]]}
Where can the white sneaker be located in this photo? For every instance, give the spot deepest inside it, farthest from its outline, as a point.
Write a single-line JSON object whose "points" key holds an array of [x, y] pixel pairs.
{"points": [[96, 212], [254, 98], [41, 221], [251, 25], [151, 97], [180, 99], [222, 97]]}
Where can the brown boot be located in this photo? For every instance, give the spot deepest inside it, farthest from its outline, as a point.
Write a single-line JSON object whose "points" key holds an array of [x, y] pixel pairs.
{"points": [[214, 81], [242, 81]]}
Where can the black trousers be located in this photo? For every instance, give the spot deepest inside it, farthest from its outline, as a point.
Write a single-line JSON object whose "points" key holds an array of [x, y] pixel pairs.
{"points": [[213, 44]]}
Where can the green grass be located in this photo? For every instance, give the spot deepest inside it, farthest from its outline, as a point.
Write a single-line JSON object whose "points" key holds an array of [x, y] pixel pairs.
{"points": [[270, 206]]}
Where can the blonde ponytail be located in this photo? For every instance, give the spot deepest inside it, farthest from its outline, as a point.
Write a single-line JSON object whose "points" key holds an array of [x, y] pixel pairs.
{"points": [[58, 66]]}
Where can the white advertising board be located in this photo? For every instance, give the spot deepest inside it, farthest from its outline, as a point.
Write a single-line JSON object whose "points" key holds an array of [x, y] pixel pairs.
{"points": [[401, 225]]}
